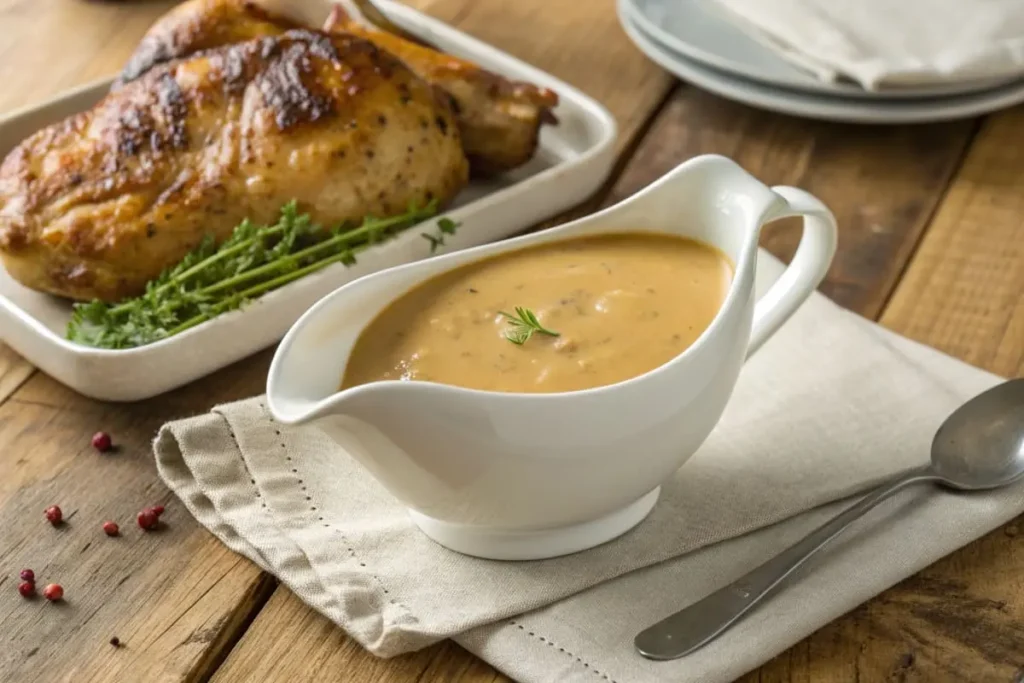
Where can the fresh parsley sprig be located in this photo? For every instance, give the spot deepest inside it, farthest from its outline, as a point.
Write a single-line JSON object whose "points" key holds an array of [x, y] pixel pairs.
{"points": [[523, 326], [213, 279]]}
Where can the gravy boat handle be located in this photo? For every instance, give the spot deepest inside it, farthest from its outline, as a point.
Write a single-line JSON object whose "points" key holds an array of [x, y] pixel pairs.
{"points": [[807, 269]]}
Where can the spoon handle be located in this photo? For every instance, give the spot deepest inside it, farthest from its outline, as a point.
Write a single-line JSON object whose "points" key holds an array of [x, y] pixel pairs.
{"points": [[700, 623]]}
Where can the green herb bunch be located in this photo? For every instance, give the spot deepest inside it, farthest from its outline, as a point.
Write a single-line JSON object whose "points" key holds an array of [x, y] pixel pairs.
{"points": [[214, 279]]}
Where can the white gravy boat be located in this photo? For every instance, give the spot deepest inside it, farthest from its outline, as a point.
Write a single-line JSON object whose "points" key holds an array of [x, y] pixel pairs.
{"points": [[529, 476]]}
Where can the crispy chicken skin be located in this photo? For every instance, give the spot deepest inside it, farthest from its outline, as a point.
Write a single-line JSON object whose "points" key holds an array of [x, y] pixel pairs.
{"points": [[200, 25], [100, 203], [499, 119]]}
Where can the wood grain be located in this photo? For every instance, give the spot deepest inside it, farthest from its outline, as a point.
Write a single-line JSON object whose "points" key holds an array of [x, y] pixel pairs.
{"points": [[176, 596], [302, 645], [578, 42], [964, 291], [92, 39], [962, 619], [47, 46], [14, 370], [882, 183], [179, 599], [598, 61]]}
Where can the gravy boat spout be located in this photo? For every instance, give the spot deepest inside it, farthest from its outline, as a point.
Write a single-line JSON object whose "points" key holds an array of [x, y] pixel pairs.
{"points": [[529, 476]]}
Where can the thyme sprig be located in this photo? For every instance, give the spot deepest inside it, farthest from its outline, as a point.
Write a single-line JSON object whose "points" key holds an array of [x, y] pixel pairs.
{"points": [[445, 226], [213, 279], [523, 325]]}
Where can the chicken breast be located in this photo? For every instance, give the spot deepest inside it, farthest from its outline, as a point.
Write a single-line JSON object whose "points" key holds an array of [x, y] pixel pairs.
{"points": [[499, 119], [96, 206]]}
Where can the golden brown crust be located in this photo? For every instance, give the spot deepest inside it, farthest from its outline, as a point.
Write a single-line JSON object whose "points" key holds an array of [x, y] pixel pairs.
{"points": [[98, 204], [499, 119], [201, 25]]}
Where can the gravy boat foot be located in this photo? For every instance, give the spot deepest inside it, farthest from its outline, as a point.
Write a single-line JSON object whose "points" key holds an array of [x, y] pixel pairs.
{"points": [[535, 544]]}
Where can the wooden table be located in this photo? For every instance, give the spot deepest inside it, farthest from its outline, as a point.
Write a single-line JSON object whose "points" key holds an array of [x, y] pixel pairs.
{"points": [[932, 246]]}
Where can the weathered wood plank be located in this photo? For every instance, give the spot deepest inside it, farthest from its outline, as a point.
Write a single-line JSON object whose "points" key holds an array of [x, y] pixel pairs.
{"points": [[226, 591], [174, 596], [14, 370], [962, 619], [964, 290], [293, 643], [303, 642], [883, 184], [598, 64], [178, 598], [46, 47], [579, 42]]}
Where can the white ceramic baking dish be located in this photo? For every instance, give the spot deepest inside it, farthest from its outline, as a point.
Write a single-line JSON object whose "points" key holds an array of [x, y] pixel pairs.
{"points": [[573, 160]]}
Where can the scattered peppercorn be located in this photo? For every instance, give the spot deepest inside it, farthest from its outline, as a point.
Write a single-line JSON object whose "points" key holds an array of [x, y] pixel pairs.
{"points": [[157, 510], [148, 519], [111, 528], [53, 592], [28, 575], [115, 641], [102, 442], [27, 589], [54, 515]]}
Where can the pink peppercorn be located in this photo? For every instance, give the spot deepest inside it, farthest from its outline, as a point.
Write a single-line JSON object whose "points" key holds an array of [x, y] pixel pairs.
{"points": [[54, 515], [148, 519], [102, 442]]}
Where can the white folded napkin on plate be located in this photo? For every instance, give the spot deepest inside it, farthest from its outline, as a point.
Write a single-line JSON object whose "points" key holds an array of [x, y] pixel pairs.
{"points": [[829, 406], [880, 43]]}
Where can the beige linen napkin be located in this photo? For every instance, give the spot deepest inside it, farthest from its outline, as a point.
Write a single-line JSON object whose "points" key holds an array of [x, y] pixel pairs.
{"points": [[829, 406], [890, 43]]}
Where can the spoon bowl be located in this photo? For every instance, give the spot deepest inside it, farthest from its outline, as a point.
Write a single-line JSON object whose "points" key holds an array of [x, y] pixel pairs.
{"points": [[981, 445]]}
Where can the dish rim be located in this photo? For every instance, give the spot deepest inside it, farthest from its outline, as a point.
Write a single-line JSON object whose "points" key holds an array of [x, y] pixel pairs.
{"points": [[597, 115]]}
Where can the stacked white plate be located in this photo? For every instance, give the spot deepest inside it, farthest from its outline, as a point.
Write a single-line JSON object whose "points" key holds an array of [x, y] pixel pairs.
{"points": [[697, 42]]}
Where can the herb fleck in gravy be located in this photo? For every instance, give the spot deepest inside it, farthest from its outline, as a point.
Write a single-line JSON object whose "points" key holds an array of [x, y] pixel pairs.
{"points": [[621, 305]]}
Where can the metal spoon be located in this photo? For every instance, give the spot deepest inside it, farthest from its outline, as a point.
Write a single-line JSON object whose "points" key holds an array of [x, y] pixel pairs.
{"points": [[980, 446]]}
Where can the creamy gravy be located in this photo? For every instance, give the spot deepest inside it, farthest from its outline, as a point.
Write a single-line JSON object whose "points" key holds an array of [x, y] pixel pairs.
{"points": [[621, 304]]}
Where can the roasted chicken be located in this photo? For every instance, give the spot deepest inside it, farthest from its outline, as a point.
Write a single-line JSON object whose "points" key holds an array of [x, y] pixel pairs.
{"points": [[99, 204], [499, 119]]}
